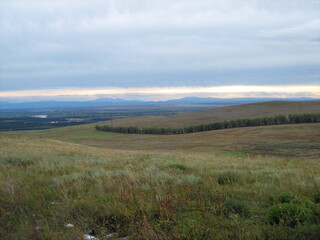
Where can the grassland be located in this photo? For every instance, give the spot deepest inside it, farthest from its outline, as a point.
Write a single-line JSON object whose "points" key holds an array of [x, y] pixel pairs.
{"points": [[300, 140], [243, 183], [46, 184]]}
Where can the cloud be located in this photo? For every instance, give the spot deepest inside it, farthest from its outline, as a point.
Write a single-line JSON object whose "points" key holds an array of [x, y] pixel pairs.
{"points": [[307, 31], [127, 43]]}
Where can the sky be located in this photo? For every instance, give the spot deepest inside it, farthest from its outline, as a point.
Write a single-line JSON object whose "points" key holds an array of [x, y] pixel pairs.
{"points": [[159, 49]]}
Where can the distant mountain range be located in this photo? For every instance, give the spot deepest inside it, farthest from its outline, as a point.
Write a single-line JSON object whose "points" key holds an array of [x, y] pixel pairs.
{"points": [[121, 102]]}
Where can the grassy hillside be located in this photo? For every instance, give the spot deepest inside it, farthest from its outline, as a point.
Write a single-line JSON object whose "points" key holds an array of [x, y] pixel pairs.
{"points": [[299, 140], [223, 113], [46, 184]]}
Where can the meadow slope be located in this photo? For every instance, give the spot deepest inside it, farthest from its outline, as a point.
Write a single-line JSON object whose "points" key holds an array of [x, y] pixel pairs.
{"points": [[295, 140], [46, 184]]}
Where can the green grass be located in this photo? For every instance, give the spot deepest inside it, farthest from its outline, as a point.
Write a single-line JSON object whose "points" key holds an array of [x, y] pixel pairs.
{"points": [[45, 184], [227, 178], [179, 166]]}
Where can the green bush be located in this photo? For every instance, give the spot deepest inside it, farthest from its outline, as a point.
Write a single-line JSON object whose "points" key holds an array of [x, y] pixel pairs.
{"points": [[289, 214], [227, 178], [236, 207]]}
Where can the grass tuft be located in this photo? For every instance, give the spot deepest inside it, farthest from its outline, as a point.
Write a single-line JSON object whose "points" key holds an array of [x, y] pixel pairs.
{"points": [[227, 178]]}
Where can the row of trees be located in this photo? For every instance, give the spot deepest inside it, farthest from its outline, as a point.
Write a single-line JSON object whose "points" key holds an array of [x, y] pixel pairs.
{"points": [[304, 118], [244, 122]]}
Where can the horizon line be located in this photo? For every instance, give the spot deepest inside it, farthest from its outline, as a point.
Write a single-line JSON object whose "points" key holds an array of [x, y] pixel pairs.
{"points": [[224, 91]]}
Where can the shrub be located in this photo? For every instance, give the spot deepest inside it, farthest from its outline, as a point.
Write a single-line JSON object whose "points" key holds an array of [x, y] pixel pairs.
{"points": [[289, 214], [227, 178], [236, 207]]}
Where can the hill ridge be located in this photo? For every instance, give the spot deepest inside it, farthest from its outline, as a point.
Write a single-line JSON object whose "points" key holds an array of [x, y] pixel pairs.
{"points": [[251, 110]]}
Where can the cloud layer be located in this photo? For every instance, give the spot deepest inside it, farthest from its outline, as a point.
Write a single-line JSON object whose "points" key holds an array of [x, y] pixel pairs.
{"points": [[140, 43]]}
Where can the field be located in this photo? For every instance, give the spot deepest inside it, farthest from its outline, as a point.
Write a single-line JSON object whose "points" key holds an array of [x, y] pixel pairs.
{"points": [[242, 183]]}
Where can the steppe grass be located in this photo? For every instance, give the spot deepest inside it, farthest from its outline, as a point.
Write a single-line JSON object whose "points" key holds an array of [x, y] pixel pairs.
{"points": [[46, 184]]}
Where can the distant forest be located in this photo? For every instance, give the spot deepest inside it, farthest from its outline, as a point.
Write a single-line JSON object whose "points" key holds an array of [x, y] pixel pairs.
{"points": [[244, 122]]}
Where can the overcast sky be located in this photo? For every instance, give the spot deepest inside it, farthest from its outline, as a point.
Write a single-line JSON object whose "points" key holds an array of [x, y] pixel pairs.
{"points": [[158, 44]]}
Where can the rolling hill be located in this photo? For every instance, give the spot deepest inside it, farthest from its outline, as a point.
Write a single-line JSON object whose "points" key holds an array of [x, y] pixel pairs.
{"points": [[296, 140], [285, 140], [219, 114]]}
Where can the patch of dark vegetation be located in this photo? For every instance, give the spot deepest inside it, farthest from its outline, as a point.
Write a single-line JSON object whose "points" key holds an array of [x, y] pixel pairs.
{"points": [[236, 123], [281, 198], [116, 223], [316, 197], [227, 178], [292, 211], [17, 161]]}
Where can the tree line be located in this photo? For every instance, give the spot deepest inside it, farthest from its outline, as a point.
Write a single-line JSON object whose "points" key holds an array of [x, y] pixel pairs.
{"points": [[235, 123]]}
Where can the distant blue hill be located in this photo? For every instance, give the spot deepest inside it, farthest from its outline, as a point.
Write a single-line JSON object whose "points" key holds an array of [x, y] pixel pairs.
{"points": [[121, 102]]}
